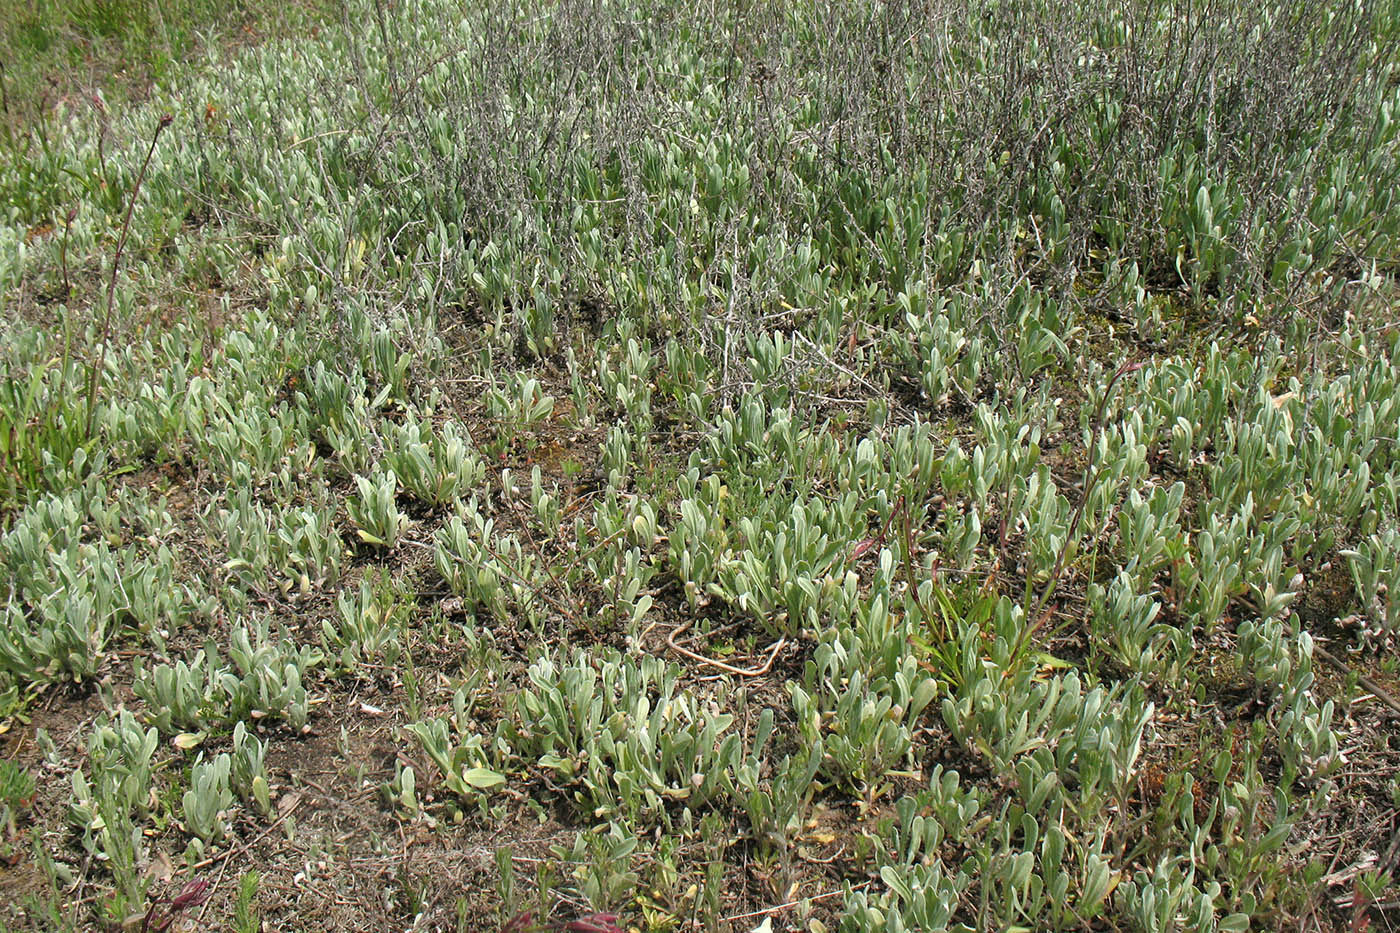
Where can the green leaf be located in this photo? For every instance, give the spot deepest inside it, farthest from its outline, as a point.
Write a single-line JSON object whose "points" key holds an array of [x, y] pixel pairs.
{"points": [[897, 883], [483, 778]]}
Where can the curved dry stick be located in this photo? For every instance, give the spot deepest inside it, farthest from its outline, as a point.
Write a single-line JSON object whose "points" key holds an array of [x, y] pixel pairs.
{"points": [[755, 672]]}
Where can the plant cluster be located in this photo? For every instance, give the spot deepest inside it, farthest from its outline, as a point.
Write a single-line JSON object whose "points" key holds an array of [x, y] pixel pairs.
{"points": [[967, 425]]}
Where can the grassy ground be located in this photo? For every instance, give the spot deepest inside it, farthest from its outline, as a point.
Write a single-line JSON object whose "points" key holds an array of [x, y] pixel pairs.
{"points": [[67, 50], [587, 465]]}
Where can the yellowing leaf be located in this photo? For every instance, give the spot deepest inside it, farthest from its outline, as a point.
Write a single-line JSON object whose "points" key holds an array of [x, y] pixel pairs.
{"points": [[187, 740]]}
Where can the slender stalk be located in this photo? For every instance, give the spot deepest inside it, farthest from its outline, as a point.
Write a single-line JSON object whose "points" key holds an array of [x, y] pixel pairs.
{"points": [[902, 507], [5, 109], [63, 252], [94, 372], [1043, 610]]}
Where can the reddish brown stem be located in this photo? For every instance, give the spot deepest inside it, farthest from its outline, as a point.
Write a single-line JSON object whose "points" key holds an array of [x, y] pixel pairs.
{"points": [[95, 371]]}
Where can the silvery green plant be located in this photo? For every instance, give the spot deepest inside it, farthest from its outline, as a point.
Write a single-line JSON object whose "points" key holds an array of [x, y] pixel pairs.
{"points": [[772, 366], [154, 598], [622, 732], [69, 595], [368, 626], [920, 897], [519, 404], [461, 757], [906, 458], [1249, 822], [946, 358], [685, 379], [961, 276], [1168, 897], [1150, 536], [625, 381], [461, 754], [1096, 734], [697, 541], [67, 641], [308, 548], [248, 773], [601, 861], [1249, 464], [867, 733], [1214, 574], [1280, 658], [163, 412], [1125, 623], [381, 356], [17, 788], [618, 453], [337, 411], [256, 354], [299, 546], [121, 759], [402, 790], [1041, 329], [209, 798], [117, 841], [783, 574], [109, 805], [491, 571], [329, 393], [1019, 867], [50, 522], [1027, 872], [775, 796], [436, 466], [464, 559], [268, 676], [614, 553], [1375, 570], [375, 510], [581, 389], [249, 443], [246, 525], [922, 821], [182, 696], [545, 504], [756, 441], [862, 693]]}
